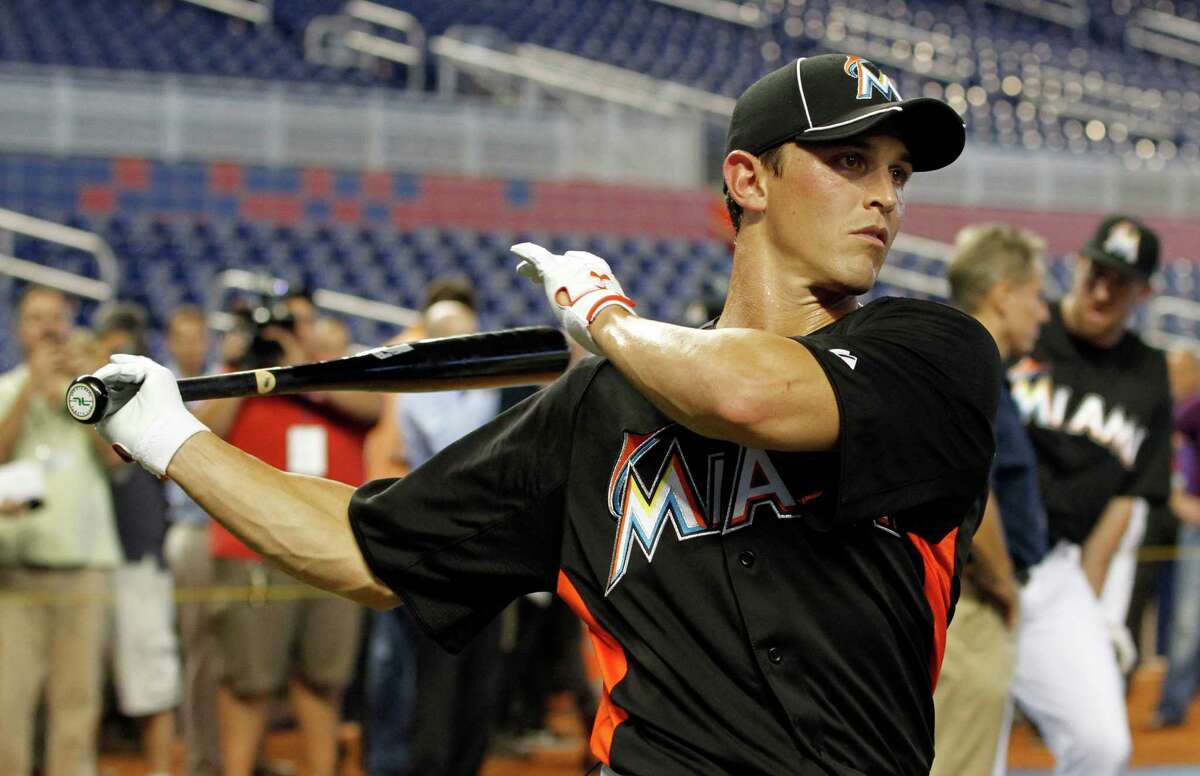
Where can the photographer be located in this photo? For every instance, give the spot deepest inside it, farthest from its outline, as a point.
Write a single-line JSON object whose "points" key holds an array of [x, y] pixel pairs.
{"points": [[55, 559], [308, 643]]}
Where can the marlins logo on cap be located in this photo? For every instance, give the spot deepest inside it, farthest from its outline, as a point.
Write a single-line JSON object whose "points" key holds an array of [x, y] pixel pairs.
{"points": [[868, 81], [1125, 243], [1123, 240]]}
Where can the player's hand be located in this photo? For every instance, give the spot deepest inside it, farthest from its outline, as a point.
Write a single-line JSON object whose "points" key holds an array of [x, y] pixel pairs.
{"points": [[154, 424], [1122, 641], [578, 284], [1007, 600]]}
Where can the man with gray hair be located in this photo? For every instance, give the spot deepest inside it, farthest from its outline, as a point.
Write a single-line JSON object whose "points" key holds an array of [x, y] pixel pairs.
{"points": [[995, 275]]}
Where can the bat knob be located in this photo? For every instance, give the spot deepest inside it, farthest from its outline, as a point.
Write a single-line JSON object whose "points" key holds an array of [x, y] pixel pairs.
{"points": [[87, 399]]}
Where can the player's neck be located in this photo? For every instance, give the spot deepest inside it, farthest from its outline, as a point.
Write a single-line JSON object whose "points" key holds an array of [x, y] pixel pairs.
{"points": [[761, 296]]}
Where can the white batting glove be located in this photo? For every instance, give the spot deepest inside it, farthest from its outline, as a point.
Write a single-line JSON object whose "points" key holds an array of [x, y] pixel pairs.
{"points": [[578, 284], [152, 425]]}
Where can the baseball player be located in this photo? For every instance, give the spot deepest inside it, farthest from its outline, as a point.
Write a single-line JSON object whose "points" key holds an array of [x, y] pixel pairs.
{"points": [[1095, 402], [761, 523]]}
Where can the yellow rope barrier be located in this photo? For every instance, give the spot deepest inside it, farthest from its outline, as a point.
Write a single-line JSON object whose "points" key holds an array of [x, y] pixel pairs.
{"points": [[256, 594], [213, 594]]}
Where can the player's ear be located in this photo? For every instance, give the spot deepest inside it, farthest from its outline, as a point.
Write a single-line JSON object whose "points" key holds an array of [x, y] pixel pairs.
{"points": [[745, 180]]}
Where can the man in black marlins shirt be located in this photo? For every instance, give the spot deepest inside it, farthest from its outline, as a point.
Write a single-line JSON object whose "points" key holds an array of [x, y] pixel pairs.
{"points": [[1095, 401], [762, 523]]}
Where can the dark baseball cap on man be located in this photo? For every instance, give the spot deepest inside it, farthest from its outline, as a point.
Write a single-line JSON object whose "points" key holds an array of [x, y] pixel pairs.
{"points": [[838, 96], [1125, 243]]}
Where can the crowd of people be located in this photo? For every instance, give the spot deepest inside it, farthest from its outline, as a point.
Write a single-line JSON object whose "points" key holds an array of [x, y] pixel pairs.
{"points": [[1082, 467], [994, 464], [115, 578], [852, 474], [99, 556], [91, 567]]}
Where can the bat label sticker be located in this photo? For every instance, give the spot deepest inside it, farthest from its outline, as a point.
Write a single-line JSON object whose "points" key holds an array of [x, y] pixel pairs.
{"points": [[265, 381], [386, 351], [81, 401]]}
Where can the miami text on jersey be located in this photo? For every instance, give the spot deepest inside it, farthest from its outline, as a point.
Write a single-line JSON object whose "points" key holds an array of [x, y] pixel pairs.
{"points": [[653, 484], [1043, 404]]}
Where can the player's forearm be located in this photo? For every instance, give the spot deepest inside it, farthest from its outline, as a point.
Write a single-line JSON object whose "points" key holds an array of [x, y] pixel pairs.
{"points": [[743, 385], [1104, 540], [299, 523]]}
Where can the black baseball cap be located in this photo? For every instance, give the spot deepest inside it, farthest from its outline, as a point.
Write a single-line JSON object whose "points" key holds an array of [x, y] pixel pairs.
{"points": [[837, 96], [1125, 243]]}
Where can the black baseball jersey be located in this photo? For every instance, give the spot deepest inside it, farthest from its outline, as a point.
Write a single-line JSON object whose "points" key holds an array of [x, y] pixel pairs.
{"points": [[1100, 423], [753, 612]]}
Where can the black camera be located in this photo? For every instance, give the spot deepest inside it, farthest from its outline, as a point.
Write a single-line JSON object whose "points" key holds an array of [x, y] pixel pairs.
{"points": [[263, 352]]}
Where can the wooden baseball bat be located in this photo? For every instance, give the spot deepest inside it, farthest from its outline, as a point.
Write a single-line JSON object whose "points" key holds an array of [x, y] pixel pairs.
{"points": [[494, 359]]}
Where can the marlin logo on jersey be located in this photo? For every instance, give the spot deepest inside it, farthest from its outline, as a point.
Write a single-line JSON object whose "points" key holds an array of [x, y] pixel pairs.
{"points": [[654, 485], [1043, 404], [868, 82]]}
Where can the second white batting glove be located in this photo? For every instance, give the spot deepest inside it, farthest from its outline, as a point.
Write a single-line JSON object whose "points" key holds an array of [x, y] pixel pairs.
{"points": [[578, 284], [152, 425], [1123, 645]]}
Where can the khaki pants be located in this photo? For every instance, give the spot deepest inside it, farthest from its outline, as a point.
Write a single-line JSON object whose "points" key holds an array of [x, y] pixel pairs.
{"points": [[971, 700], [263, 644], [191, 562], [53, 643]]}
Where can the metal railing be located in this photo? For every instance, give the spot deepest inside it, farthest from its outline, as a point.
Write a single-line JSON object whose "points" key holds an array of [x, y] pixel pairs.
{"points": [[1068, 13], [323, 298], [350, 38], [1158, 310], [743, 13], [253, 11], [12, 222], [1165, 34], [470, 57], [659, 94], [107, 114]]}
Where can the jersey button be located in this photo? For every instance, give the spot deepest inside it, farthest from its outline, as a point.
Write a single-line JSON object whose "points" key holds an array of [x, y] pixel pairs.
{"points": [[747, 558], [775, 655]]}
